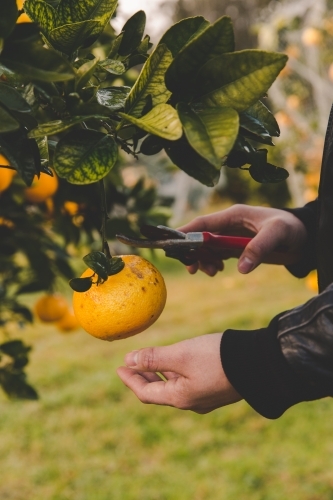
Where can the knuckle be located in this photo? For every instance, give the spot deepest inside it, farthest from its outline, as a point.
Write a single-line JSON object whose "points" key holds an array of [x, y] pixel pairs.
{"points": [[201, 222], [149, 359]]}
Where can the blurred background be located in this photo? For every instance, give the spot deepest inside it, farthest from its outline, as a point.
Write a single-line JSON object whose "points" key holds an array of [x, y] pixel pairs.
{"points": [[88, 438]]}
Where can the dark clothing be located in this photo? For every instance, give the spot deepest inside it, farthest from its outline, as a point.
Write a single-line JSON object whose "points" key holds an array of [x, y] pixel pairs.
{"points": [[291, 360]]}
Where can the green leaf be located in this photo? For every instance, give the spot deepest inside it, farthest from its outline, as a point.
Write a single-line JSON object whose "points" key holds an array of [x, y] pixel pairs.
{"points": [[98, 262], [56, 126], [69, 37], [151, 145], [14, 348], [115, 265], [162, 121], [182, 32], [33, 61], [254, 129], [15, 385], [211, 132], [113, 98], [150, 82], [85, 156], [43, 147], [41, 13], [261, 113], [69, 11], [268, 173], [239, 79], [8, 17], [12, 99], [81, 284], [22, 154], [7, 122], [112, 66], [132, 31], [84, 73], [187, 159], [215, 40]]}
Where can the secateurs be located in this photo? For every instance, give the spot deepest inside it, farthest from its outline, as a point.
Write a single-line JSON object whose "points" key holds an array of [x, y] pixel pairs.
{"points": [[188, 248]]}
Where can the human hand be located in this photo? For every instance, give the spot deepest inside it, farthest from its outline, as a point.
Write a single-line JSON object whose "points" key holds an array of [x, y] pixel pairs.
{"points": [[192, 375], [271, 228]]}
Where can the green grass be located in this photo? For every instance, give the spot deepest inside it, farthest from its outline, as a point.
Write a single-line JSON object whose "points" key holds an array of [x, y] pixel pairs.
{"points": [[89, 438]]}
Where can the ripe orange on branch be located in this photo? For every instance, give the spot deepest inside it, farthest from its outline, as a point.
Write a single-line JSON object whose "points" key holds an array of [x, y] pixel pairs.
{"points": [[6, 174], [41, 188], [68, 323], [124, 305]]}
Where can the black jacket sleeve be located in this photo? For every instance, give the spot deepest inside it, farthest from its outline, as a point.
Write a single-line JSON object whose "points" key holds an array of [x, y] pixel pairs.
{"points": [[288, 362], [309, 216]]}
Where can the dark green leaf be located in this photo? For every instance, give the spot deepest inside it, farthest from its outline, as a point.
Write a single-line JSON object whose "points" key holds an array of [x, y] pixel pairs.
{"points": [[236, 159], [181, 33], [115, 265], [254, 129], [14, 348], [151, 145], [215, 40], [64, 268], [182, 155], [162, 121], [22, 153], [12, 99], [81, 284], [57, 126], [69, 11], [15, 385], [211, 132], [150, 82], [260, 112], [35, 286], [145, 199], [7, 122], [144, 46], [132, 33], [42, 13], [85, 156], [98, 262], [84, 73], [268, 173], [8, 17], [113, 97], [43, 147], [24, 312], [113, 66], [33, 61], [238, 79]]}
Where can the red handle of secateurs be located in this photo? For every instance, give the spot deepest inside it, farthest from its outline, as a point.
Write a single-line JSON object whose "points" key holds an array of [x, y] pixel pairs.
{"points": [[225, 242], [236, 245]]}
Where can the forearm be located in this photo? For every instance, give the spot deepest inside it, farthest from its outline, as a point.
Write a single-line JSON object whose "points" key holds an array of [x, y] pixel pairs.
{"points": [[288, 362]]}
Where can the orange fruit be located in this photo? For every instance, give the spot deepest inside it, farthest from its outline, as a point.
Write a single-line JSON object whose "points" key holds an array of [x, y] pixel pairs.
{"points": [[41, 188], [71, 208], [68, 323], [311, 281], [124, 305], [51, 307], [6, 174], [23, 18]]}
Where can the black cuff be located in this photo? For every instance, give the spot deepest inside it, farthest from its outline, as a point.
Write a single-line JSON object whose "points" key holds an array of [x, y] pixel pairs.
{"points": [[255, 366], [308, 262]]}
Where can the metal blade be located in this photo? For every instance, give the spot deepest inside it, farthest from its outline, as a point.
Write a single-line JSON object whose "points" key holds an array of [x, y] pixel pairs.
{"points": [[160, 232]]}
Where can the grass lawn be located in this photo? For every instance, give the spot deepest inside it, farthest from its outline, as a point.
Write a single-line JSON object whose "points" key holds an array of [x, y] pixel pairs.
{"points": [[89, 438]]}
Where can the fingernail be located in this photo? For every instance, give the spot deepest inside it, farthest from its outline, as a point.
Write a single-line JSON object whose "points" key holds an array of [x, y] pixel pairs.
{"points": [[131, 359], [245, 265]]}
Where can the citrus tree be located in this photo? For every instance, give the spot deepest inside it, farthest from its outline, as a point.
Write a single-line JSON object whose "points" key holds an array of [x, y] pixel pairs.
{"points": [[65, 117]]}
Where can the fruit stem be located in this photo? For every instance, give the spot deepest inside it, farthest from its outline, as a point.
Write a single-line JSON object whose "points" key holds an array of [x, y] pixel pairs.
{"points": [[105, 246]]}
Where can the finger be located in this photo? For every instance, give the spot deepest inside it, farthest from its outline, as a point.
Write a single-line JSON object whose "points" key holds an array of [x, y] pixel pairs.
{"points": [[158, 393], [264, 243], [158, 359], [215, 222], [151, 376], [193, 268]]}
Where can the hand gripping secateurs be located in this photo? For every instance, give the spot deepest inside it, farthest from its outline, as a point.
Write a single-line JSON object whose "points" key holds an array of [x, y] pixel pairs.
{"points": [[189, 248]]}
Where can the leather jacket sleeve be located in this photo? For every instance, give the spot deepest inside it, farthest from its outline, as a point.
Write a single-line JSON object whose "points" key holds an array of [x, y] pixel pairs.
{"points": [[288, 362]]}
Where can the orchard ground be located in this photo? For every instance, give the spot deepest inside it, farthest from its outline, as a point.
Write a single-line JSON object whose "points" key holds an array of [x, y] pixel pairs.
{"points": [[88, 437]]}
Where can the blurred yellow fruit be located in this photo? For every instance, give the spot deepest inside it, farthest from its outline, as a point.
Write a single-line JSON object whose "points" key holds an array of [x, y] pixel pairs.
{"points": [[42, 188], [312, 36], [68, 323], [23, 18], [311, 281], [71, 207], [292, 51], [51, 307], [124, 305], [6, 174]]}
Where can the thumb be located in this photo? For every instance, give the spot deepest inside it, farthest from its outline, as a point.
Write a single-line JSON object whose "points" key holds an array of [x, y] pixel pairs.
{"points": [[156, 359], [259, 247]]}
